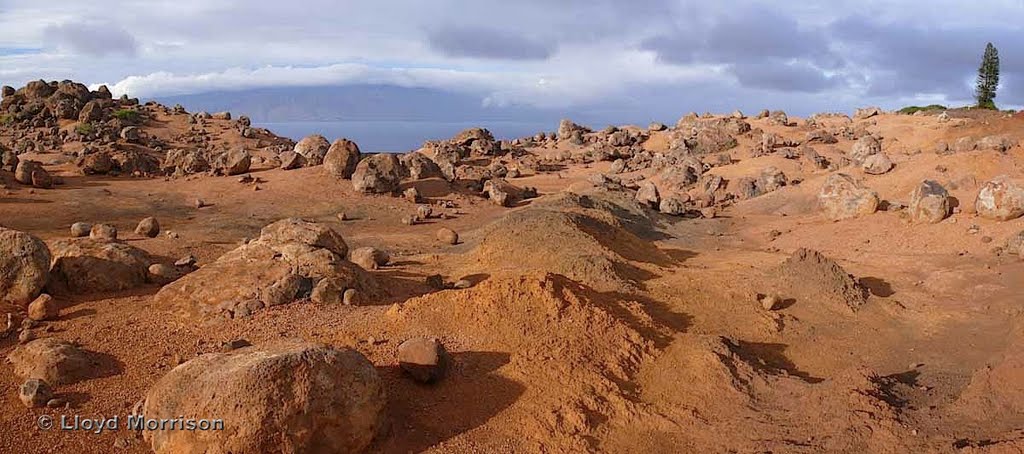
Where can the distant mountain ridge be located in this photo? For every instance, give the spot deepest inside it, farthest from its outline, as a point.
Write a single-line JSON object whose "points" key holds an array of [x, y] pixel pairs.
{"points": [[354, 102]]}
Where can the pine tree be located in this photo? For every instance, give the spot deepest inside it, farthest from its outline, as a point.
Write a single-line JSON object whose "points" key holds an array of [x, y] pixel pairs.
{"points": [[988, 78]]}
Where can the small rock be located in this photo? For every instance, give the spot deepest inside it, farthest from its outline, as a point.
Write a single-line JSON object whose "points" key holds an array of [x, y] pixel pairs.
{"points": [[447, 236], [188, 261], [35, 393], [342, 216], [80, 229], [986, 239], [424, 211], [370, 258], [160, 273], [103, 232], [26, 336], [409, 220], [771, 302], [423, 358], [200, 203], [148, 227], [350, 297], [56, 403], [462, 284], [43, 308]]}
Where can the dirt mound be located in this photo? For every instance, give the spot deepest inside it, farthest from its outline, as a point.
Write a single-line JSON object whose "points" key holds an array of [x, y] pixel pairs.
{"points": [[810, 275], [591, 240], [553, 331], [710, 385], [997, 389]]}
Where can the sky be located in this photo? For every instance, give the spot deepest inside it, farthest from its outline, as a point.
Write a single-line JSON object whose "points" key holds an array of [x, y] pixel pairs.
{"points": [[666, 57]]}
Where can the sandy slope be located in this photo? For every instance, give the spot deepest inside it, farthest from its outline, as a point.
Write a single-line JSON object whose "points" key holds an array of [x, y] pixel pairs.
{"points": [[593, 324]]}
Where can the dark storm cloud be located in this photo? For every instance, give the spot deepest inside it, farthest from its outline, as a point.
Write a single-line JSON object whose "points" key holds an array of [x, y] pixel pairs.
{"points": [[788, 77], [762, 48], [478, 42], [94, 39]]}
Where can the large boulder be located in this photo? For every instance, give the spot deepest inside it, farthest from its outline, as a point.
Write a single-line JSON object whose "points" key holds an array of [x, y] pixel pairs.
{"points": [[284, 397], [341, 158], [843, 197], [24, 267], [864, 147], [235, 162], [380, 174], [1001, 199], [419, 167], [877, 164], [55, 361], [25, 169], [184, 162], [313, 148], [86, 265], [929, 202], [288, 260]]}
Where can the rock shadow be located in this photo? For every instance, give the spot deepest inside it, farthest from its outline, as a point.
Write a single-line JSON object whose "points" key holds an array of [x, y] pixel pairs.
{"points": [[423, 415], [771, 358], [878, 286]]}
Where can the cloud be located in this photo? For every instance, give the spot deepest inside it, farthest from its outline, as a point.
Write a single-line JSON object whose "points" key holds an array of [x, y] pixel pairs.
{"points": [[95, 39], [477, 42], [787, 77], [647, 55]]}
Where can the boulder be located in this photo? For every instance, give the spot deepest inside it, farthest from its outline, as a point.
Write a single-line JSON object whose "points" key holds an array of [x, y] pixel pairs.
{"points": [[877, 164], [313, 148], [447, 236], [929, 202], [235, 162], [80, 229], [648, 194], [503, 193], [327, 291], [866, 112], [284, 397], [843, 197], [25, 169], [148, 227], [55, 361], [419, 167], [1001, 199], [341, 158], [86, 265], [370, 258], [380, 174], [291, 160], [184, 162], [104, 232], [284, 264], [422, 358], [41, 179], [34, 393], [864, 147], [24, 267], [43, 308]]}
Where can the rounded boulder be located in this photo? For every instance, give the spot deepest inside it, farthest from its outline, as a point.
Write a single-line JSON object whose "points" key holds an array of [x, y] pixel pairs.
{"points": [[284, 397]]}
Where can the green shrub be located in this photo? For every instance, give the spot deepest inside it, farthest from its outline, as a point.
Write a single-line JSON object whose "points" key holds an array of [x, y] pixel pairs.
{"points": [[987, 104], [127, 115], [84, 129], [6, 119], [910, 110]]}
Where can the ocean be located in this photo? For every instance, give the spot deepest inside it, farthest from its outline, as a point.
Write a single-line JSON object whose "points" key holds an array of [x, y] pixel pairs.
{"points": [[401, 136]]}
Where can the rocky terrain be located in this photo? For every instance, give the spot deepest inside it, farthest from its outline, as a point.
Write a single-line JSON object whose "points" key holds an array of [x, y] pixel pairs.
{"points": [[730, 283]]}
